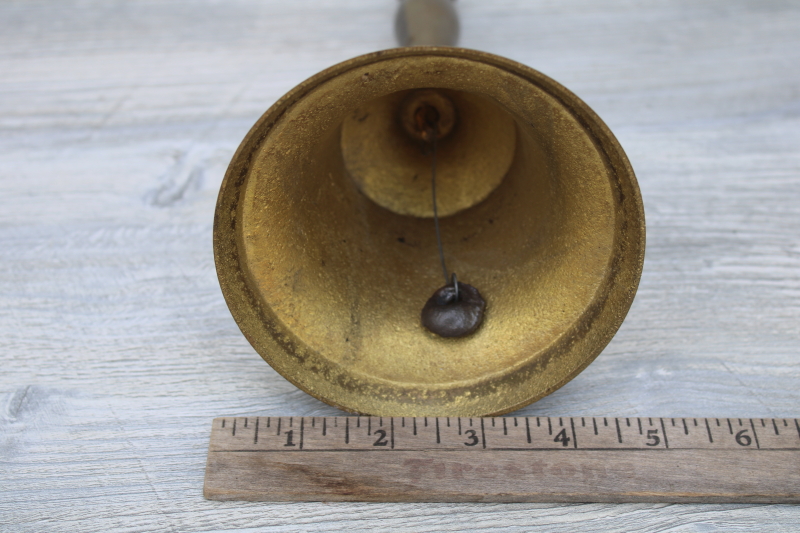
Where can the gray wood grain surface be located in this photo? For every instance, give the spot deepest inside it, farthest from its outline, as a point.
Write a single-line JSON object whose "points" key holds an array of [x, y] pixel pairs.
{"points": [[117, 119]]}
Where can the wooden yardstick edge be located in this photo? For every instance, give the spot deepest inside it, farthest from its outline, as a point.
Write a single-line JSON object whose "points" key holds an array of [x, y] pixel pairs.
{"points": [[518, 460]]}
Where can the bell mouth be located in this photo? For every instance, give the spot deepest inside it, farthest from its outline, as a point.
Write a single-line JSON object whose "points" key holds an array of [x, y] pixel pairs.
{"points": [[326, 277]]}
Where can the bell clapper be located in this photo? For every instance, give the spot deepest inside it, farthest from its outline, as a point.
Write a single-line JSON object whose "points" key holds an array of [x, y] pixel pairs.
{"points": [[455, 310]]}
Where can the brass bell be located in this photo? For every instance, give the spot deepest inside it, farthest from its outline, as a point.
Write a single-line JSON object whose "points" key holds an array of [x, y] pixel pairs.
{"points": [[325, 249]]}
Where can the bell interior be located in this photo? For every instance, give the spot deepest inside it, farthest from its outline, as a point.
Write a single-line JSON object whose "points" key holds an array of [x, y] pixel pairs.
{"points": [[342, 278]]}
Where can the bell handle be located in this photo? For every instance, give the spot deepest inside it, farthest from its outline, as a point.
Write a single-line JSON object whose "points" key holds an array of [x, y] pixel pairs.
{"points": [[426, 23]]}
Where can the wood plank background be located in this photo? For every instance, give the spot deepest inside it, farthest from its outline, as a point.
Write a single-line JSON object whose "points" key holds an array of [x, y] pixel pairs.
{"points": [[117, 119]]}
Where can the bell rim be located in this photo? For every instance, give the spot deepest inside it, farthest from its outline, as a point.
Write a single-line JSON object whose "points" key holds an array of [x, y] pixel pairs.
{"points": [[243, 304]]}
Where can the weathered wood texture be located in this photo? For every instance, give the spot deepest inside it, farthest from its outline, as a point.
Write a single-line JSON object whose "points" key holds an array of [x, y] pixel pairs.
{"points": [[440, 476], [117, 120], [512, 459]]}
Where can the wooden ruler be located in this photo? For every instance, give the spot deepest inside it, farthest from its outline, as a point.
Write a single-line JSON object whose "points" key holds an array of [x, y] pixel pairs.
{"points": [[504, 459]]}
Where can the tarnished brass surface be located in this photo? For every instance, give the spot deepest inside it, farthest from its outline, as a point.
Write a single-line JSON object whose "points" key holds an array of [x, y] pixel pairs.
{"points": [[327, 284]]}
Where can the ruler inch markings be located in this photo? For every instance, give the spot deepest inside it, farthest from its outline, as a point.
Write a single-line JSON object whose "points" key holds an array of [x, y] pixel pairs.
{"points": [[574, 437], [516, 463], [522, 436], [755, 435]]}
